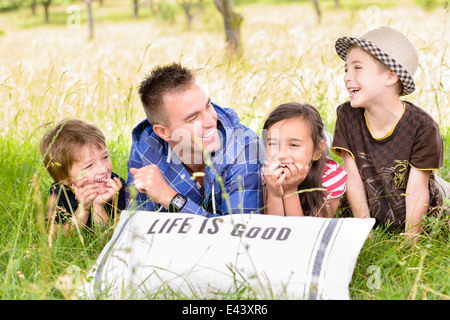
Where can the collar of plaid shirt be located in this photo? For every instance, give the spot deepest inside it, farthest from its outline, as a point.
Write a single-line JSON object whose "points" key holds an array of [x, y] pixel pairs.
{"points": [[151, 149]]}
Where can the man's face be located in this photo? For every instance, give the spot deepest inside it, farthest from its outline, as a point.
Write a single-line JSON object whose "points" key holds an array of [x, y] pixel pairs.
{"points": [[192, 124]]}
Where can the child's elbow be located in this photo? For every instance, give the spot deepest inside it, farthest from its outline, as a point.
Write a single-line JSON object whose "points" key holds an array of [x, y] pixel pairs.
{"points": [[418, 182]]}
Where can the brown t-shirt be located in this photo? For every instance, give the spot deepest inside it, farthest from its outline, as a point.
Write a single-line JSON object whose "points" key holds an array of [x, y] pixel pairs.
{"points": [[384, 164]]}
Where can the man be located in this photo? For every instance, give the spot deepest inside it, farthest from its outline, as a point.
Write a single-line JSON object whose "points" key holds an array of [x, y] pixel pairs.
{"points": [[191, 155]]}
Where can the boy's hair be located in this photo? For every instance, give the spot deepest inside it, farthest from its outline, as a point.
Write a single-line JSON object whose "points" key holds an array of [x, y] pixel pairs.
{"points": [[381, 64], [315, 199], [171, 78], [60, 145]]}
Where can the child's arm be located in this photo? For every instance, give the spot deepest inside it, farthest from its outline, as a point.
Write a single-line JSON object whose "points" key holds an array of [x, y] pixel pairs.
{"points": [[331, 206], [292, 204], [417, 202], [84, 193], [356, 191], [295, 174], [80, 218], [99, 213], [77, 220], [274, 178], [274, 204]]}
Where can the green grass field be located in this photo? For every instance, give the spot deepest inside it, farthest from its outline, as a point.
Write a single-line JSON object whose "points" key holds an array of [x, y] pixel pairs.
{"points": [[48, 73]]}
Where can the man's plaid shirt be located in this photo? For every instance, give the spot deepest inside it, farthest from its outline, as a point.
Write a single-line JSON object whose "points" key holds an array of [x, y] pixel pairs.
{"points": [[237, 164]]}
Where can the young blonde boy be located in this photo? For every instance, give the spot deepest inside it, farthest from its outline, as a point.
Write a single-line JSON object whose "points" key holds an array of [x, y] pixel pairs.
{"points": [[389, 147], [85, 190]]}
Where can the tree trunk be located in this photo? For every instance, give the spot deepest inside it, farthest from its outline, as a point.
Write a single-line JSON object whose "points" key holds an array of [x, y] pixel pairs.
{"points": [[187, 6], [46, 5], [232, 22], [91, 20], [136, 8], [317, 7], [33, 7]]}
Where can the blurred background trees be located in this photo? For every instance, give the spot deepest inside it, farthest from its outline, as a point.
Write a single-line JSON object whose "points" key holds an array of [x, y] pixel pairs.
{"points": [[168, 10]]}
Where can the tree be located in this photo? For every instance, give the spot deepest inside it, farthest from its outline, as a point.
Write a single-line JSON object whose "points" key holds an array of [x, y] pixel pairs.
{"points": [[33, 5], [91, 20], [136, 8], [46, 4], [189, 8], [319, 12], [232, 23], [317, 7]]}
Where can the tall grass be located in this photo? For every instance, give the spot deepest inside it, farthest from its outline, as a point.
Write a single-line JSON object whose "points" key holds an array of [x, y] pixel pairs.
{"points": [[50, 73]]}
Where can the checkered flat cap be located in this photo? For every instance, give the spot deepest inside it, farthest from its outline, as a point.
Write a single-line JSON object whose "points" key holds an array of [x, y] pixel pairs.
{"points": [[390, 47]]}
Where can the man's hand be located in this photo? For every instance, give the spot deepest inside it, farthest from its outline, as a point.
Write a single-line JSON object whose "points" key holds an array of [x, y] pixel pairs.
{"points": [[150, 181]]}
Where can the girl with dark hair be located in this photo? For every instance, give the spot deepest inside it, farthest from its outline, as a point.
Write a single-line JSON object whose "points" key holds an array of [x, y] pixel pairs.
{"points": [[299, 179]]}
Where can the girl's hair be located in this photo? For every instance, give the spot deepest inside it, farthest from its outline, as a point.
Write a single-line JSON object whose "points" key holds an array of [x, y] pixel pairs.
{"points": [[61, 145], [313, 200]]}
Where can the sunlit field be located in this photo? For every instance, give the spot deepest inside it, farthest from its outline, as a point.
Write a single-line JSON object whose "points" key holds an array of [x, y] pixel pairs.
{"points": [[48, 73]]}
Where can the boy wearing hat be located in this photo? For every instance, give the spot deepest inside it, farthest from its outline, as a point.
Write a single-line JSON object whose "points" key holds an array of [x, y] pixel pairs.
{"points": [[389, 146]]}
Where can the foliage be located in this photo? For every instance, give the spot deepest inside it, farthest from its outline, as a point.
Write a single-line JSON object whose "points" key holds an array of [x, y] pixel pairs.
{"points": [[34, 265], [11, 5], [432, 4], [54, 72]]}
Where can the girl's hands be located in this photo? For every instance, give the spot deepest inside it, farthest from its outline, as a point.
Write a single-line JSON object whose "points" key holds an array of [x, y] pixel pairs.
{"points": [[284, 180], [295, 174], [274, 176]]}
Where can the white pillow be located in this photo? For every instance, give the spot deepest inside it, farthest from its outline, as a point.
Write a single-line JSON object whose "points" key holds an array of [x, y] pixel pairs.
{"points": [[152, 254]]}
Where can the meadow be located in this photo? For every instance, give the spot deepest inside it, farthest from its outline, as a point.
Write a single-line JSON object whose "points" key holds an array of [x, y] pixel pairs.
{"points": [[52, 72]]}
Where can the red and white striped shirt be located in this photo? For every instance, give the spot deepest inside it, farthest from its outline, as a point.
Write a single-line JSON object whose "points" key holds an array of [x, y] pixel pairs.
{"points": [[334, 179]]}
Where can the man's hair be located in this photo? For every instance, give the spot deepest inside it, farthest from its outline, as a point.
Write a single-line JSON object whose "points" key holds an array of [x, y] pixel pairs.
{"points": [[61, 145], [381, 64], [171, 78]]}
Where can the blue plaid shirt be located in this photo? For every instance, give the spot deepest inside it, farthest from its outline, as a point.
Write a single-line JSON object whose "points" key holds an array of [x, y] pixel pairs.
{"points": [[237, 163]]}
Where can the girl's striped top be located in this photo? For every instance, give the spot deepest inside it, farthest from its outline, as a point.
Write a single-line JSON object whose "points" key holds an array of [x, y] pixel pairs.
{"points": [[334, 179]]}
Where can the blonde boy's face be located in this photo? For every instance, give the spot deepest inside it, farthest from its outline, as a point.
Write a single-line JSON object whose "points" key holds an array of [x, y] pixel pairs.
{"points": [[94, 165], [365, 80]]}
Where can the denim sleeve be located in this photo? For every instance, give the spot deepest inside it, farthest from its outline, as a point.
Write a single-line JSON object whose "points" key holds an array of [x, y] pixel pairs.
{"points": [[134, 161], [242, 180], [192, 207], [244, 190]]}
